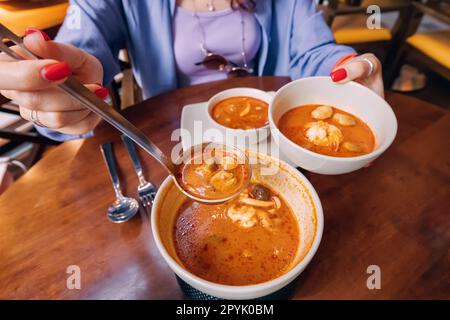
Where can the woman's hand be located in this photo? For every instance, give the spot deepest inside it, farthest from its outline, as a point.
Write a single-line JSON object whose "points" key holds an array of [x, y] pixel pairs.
{"points": [[32, 84], [365, 69]]}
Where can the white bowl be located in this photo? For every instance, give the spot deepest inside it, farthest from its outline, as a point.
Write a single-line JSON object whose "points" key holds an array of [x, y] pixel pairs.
{"points": [[242, 136], [293, 187], [350, 97]]}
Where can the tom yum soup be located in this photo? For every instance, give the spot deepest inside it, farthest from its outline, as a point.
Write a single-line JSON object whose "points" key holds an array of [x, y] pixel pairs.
{"points": [[241, 113], [215, 174], [252, 239], [327, 130]]}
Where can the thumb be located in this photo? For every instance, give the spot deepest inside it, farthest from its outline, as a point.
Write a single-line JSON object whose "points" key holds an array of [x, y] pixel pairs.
{"points": [[85, 67], [358, 68]]}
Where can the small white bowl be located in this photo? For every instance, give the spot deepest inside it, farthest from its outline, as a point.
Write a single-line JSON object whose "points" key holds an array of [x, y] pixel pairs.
{"points": [[350, 97], [295, 190], [244, 137]]}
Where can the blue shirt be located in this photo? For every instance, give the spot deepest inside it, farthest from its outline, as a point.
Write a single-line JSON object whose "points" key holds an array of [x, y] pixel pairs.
{"points": [[295, 41]]}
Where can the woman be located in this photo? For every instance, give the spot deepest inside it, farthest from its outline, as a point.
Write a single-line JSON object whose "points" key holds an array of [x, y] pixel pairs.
{"points": [[173, 43]]}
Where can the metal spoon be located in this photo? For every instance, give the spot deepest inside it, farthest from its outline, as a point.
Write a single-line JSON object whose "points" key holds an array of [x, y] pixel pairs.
{"points": [[124, 208], [203, 151], [79, 92]]}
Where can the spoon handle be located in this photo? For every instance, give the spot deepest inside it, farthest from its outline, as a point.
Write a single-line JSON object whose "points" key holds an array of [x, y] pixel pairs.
{"points": [[79, 92], [108, 155]]}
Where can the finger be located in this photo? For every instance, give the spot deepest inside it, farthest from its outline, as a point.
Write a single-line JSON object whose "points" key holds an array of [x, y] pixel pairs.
{"points": [[357, 68], [32, 74], [50, 100], [85, 66], [54, 120], [82, 127], [16, 49]]}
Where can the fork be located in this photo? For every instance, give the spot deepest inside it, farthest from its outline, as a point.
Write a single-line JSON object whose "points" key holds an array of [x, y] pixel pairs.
{"points": [[146, 190]]}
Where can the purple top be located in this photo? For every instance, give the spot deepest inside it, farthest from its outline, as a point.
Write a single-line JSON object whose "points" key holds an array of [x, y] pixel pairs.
{"points": [[223, 35], [295, 41]]}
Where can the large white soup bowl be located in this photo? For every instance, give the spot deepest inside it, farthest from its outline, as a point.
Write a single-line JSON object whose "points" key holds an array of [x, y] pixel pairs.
{"points": [[350, 97], [294, 188]]}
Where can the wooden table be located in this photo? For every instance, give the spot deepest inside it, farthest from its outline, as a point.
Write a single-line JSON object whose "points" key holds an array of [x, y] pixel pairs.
{"points": [[394, 214]]}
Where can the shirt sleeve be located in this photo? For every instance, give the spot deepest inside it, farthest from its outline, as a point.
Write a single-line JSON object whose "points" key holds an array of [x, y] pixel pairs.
{"points": [[62, 137], [97, 27], [313, 50]]}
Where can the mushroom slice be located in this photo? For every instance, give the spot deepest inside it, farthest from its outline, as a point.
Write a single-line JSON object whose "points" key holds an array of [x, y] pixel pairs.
{"points": [[344, 120], [353, 147], [277, 202], [246, 109], [322, 112], [264, 219], [257, 203]]}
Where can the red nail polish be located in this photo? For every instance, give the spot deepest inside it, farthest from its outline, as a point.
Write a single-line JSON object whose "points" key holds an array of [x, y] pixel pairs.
{"points": [[338, 75], [56, 71], [29, 31], [102, 93]]}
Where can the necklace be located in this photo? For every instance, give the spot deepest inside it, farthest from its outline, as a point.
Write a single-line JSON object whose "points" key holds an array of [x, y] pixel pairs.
{"points": [[208, 53]]}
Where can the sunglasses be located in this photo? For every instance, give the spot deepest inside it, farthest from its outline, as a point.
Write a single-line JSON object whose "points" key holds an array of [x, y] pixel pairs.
{"points": [[213, 61]]}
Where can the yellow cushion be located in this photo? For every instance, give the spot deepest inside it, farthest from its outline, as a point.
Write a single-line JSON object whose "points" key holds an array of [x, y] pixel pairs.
{"points": [[19, 15], [352, 29], [435, 45]]}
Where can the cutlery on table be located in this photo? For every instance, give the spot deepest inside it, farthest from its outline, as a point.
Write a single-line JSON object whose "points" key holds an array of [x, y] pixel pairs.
{"points": [[146, 190], [124, 208]]}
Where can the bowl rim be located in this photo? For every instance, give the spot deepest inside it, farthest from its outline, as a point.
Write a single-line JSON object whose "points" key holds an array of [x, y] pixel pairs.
{"points": [[210, 106], [260, 289], [375, 153]]}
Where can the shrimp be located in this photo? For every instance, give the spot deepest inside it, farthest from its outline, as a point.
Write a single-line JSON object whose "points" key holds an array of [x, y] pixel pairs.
{"points": [[244, 216], [223, 180], [324, 134], [322, 112], [207, 168]]}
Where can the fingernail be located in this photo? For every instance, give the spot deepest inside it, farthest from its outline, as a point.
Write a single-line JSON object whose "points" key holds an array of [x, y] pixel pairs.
{"points": [[29, 31], [102, 93], [338, 75], [56, 71]]}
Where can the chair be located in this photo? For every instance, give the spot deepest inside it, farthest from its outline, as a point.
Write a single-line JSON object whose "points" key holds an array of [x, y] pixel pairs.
{"points": [[430, 49], [44, 15], [14, 133], [124, 89], [348, 21]]}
